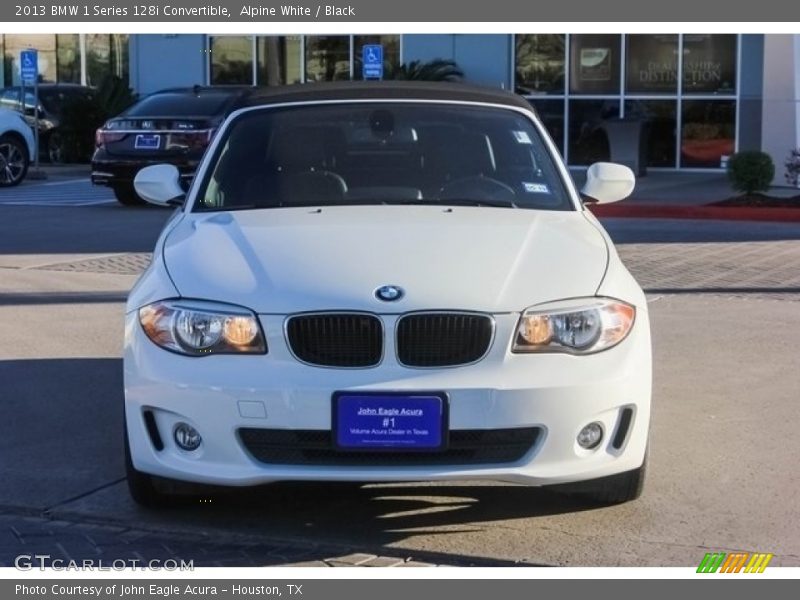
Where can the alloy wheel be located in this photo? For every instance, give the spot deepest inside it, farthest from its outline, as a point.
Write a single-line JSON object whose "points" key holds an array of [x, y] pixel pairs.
{"points": [[12, 163]]}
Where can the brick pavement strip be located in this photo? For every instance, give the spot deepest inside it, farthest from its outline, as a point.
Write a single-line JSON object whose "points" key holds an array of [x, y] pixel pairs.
{"points": [[745, 268], [771, 268], [73, 541]]}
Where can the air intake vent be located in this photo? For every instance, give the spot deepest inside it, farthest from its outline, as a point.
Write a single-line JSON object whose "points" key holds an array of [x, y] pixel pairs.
{"points": [[312, 447]]}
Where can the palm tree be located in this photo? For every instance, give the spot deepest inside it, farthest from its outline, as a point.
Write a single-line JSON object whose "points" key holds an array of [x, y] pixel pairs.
{"points": [[435, 70]]}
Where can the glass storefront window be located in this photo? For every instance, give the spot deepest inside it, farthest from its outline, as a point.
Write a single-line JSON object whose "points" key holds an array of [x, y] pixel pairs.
{"points": [[60, 57], [588, 140], [709, 64], [231, 60], [327, 57], [540, 61], [660, 128], [709, 131], [68, 58], [391, 52], [106, 55], [594, 64], [651, 64], [278, 60], [551, 113]]}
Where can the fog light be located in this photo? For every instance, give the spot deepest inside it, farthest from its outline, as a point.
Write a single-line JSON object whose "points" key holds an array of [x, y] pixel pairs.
{"points": [[590, 436], [187, 437]]}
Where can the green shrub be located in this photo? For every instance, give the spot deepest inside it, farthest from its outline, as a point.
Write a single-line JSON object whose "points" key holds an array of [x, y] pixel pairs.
{"points": [[80, 117], [82, 114], [751, 171]]}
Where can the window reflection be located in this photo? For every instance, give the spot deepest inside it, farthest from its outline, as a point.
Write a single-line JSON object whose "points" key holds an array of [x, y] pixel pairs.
{"points": [[327, 57], [659, 121], [68, 58], [540, 64], [588, 140], [231, 60], [106, 55], [709, 130], [278, 60]]}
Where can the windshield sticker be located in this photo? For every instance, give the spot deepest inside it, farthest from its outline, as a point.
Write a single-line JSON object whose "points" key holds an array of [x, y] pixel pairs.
{"points": [[522, 137], [535, 188]]}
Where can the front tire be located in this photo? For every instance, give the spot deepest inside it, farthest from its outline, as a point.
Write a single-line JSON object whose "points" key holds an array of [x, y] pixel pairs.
{"points": [[607, 491], [127, 196], [141, 486], [14, 161]]}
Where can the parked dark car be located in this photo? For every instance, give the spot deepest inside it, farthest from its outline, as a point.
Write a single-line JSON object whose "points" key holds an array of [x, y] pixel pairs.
{"points": [[52, 98], [170, 126]]}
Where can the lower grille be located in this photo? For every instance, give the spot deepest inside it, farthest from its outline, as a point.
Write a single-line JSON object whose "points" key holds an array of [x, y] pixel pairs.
{"points": [[315, 448], [442, 339], [336, 340]]}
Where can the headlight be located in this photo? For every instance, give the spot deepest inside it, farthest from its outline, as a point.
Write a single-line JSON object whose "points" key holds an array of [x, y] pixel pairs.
{"points": [[200, 328], [576, 327]]}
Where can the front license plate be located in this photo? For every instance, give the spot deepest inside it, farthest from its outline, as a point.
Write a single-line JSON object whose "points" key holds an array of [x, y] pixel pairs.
{"points": [[390, 421], [147, 141]]}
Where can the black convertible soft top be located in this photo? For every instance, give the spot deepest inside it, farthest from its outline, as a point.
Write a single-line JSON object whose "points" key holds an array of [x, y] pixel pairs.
{"points": [[371, 90]]}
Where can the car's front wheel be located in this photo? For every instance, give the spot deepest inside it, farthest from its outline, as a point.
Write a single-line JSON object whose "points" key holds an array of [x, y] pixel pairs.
{"points": [[14, 160], [614, 489], [127, 196], [142, 486]]}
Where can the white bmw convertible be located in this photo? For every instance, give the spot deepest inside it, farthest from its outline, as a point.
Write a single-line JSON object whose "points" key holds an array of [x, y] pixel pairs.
{"points": [[385, 282]]}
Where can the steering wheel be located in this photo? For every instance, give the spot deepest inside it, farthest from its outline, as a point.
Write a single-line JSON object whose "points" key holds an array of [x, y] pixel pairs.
{"points": [[477, 188]]}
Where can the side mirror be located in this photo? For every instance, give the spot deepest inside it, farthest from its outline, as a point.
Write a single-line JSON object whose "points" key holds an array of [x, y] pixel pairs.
{"points": [[160, 185], [608, 182]]}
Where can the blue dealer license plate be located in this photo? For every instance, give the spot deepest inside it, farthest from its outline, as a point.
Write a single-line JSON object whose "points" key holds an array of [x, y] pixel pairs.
{"points": [[389, 421], [147, 141]]}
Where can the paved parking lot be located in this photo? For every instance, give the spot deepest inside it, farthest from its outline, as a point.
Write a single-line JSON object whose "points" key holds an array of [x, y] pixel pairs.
{"points": [[62, 191], [725, 306]]}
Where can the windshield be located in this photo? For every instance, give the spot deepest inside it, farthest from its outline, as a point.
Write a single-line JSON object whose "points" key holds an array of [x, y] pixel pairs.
{"points": [[382, 153]]}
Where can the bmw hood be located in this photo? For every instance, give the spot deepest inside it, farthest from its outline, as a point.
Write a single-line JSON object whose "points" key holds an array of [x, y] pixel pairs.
{"points": [[291, 260]]}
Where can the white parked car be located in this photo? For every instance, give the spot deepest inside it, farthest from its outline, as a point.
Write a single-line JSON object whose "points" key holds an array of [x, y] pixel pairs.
{"points": [[17, 147], [385, 282]]}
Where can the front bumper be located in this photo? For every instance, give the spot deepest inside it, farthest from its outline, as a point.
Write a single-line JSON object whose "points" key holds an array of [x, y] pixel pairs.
{"points": [[219, 395]]}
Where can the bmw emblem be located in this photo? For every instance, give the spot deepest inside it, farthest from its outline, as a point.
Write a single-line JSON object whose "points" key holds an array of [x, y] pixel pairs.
{"points": [[389, 293]]}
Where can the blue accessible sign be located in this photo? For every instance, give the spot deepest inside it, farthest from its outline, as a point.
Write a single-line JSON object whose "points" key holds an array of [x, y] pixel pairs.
{"points": [[390, 421], [372, 61], [29, 66]]}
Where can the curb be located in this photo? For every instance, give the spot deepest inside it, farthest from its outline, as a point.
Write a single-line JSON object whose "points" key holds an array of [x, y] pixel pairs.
{"points": [[725, 213]]}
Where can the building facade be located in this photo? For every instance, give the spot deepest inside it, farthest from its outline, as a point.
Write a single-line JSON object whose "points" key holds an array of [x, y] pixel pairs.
{"points": [[698, 97]]}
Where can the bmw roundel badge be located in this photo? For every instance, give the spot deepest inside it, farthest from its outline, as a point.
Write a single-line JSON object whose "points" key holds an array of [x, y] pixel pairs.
{"points": [[389, 293]]}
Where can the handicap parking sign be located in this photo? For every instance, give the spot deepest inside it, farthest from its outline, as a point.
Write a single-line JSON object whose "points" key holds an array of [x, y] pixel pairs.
{"points": [[29, 66], [372, 61]]}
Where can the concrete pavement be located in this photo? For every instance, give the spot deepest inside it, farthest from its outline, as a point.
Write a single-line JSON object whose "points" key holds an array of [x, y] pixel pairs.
{"points": [[725, 310]]}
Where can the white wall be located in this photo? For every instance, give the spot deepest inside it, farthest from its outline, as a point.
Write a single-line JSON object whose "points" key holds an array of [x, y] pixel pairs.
{"points": [[780, 126], [163, 61]]}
